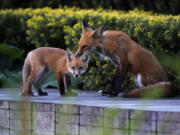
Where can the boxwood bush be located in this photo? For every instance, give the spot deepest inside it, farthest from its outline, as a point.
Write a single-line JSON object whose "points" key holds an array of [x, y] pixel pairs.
{"points": [[159, 6], [31, 28]]}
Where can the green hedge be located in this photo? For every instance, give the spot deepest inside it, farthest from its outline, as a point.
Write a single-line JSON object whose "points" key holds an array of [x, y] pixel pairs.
{"points": [[28, 29], [159, 6]]}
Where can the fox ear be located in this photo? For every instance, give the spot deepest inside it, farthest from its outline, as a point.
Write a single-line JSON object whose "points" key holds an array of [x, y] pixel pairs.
{"points": [[85, 26], [85, 57], [99, 31], [70, 56]]}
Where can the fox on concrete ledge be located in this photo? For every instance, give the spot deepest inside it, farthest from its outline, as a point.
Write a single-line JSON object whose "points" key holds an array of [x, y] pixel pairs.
{"points": [[128, 57], [39, 61]]}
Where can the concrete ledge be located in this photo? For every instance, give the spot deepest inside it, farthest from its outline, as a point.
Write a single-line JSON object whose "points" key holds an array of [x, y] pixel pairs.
{"points": [[86, 114]]}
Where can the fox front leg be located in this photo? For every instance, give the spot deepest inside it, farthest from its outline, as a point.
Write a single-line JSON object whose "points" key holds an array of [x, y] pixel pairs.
{"points": [[119, 81], [60, 82], [121, 73], [110, 88]]}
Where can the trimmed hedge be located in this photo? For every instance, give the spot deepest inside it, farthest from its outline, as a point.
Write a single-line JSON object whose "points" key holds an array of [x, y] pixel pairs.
{"points": [[159, 6], [28, 28]]}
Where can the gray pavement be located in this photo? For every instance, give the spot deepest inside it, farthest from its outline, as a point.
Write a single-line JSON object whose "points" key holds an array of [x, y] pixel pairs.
{"points": [[92, 98]]}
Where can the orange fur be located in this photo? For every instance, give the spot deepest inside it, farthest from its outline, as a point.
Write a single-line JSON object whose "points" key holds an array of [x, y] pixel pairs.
{"points": [[126, 54], [39, 61]]}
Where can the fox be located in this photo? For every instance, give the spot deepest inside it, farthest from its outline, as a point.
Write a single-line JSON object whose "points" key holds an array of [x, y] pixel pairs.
{"points": [[63, 63], [128, 57]]}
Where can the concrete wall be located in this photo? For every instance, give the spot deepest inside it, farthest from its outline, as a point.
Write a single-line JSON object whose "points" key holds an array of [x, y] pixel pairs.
{"points": [[30, 118]]}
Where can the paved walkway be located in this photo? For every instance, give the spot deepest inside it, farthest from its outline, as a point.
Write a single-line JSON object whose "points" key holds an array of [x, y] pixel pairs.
{"points": [[92, 98]]}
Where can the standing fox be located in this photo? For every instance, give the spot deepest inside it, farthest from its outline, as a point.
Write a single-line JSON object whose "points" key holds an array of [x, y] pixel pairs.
{"points": [[39, 61], [128, 57]]}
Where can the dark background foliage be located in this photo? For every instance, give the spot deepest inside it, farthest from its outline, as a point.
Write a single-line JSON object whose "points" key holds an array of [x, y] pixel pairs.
{"points": [[159, 6], [27, 29]]}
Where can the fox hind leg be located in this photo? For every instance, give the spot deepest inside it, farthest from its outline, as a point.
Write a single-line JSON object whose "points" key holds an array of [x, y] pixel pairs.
{"points": [[39, 75], [30, 79]]}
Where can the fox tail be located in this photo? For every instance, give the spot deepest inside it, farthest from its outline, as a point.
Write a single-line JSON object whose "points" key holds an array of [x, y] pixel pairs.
{"points": [[26, 71], [159, 90]]}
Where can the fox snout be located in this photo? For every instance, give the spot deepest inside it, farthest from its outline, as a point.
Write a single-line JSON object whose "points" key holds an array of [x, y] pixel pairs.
{"points": [[76, 72], [76, 75]]}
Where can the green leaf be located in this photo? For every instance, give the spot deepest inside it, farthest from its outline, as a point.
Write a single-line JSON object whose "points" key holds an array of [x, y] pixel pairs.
{"points": [[11, 51], [5, 62], [49, 81], [11, 79]]}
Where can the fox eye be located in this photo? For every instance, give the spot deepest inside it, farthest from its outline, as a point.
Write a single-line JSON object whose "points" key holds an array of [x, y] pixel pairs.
{"points": [[73, 67], [80, 68], [84, 46]]}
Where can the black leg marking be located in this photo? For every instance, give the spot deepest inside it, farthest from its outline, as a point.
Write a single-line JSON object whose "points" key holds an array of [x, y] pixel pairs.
{"points": [[109, 90], [61, 87], [119, 82]]}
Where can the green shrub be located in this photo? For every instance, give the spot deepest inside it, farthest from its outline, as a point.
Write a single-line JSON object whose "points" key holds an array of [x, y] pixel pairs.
{"points": [[8, 55], [160, 6], [62, 28]]}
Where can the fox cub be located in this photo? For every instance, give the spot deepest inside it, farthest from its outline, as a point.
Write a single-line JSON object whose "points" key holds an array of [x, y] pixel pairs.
{"points": [[39, 61]]}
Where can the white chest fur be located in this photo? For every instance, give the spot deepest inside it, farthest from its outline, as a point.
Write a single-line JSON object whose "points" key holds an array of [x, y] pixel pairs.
{"points": [[138, 80]]}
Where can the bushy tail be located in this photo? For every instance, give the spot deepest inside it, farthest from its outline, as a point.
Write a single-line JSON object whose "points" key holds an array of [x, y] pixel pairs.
{"points": [[26, 71], [159, 90]]}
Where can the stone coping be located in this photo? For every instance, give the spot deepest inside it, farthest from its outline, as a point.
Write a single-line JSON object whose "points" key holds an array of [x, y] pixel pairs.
{"points": [[92, 98], [86, 114]]}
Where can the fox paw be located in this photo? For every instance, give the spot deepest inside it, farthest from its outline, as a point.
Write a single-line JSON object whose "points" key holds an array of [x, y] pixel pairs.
{"points": [[43, 94], [27, 94], [103, 93], [107, 93]]}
